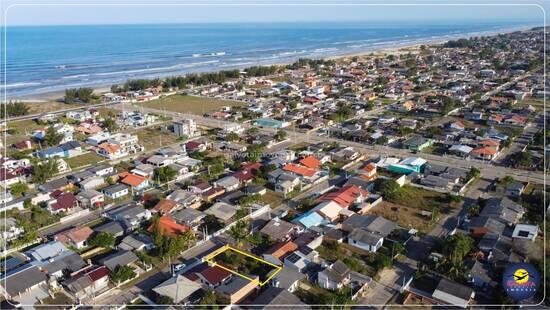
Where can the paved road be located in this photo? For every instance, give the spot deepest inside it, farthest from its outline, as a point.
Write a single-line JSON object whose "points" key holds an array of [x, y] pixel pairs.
{"points": [[487, 169]]}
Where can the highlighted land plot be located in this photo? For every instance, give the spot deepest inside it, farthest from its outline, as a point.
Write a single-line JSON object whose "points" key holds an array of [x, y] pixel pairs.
{"points": [[243, 264]]}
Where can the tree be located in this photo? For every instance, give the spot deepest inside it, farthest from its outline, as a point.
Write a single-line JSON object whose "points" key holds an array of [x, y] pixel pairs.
{"points": [[281, 135], [43, 170], [473, 210], [209, 299], [232, 136], [102, 239], [254, 152], [18, 189], [165, 174], [11, 109], [110, 123], [382, 140], [250, 199], [387, 187], [52, 137], [239, 231], [473, 173], [122, 273], [456, 247], [252, 131]]}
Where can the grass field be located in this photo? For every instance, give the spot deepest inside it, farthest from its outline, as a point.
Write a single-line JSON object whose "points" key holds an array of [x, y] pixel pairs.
{"points": [[19, 131], [190, 104], [49, 106], [404, 216], [151, 139], [83, 160]]}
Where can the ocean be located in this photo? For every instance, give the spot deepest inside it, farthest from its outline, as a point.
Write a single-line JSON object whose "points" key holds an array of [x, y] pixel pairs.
{"points": [[51, 58]]}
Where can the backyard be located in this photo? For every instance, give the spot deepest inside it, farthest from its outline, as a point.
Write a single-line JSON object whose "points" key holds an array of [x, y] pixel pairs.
{"points": [[242, 264], [190, 104]]}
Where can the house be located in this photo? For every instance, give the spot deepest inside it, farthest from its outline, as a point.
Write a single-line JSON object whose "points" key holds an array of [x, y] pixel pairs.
{"points": [[119, 258], [511, 189], [129, 215], [135, 181], [10, 229], [116, 191], [60, 184], [167, 226], [484, 153], [367, 232], [278, 230], [185, 198], [89, 283], [525, 231], [452, 293], [90, 198], [190, 217], [287, 278], [136, 242], [229, 183], [365, 240], [65, 263], [185, 128], [236, 289], [276, 252], [334, 277], [16, 284], [408, 165], [112, 227], [368, 172], [165, 206], [417, 143], [47, 251], [211, 276], [479, 275], [503, 209], [329, 210], [277, 298], [101, 170], [481, 225], [75, 237], [65, 150], [91, 183], [222, 211], [310, 162], [346, 196], [63, 202], [179, 289]]}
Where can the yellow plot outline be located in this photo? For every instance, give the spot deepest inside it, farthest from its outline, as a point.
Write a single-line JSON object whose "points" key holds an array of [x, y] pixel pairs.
{"points": [[210, 259]]}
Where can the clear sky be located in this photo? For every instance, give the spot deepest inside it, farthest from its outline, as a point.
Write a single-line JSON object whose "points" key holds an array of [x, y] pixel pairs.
{"points": [[267, 11]]}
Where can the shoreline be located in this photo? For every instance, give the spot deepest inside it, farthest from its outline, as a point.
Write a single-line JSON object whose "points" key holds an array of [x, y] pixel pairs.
{"points": [[382, 49]]}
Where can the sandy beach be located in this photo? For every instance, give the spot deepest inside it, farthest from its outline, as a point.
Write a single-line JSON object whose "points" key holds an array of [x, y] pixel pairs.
{"points": [[396, 48]]}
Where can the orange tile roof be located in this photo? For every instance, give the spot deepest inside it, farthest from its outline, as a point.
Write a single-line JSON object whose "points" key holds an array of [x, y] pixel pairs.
{"points": [[370, 167], [132, 179], [165, 206], [488, 142], [344, 196], [167, 226], [282, 248], [311, 162], [301, 170], [109, 147], [77, 234], [484, 150]]}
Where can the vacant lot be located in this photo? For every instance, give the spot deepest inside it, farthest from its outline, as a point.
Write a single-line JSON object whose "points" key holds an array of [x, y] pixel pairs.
{"points": [[20, 130], [190, 104], [243, 264], [84, 160], [49, 106], [406, 217], [152, 138]]}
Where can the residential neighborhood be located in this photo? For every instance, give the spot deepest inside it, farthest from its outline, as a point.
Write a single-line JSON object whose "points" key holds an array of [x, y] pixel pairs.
{"points": [[408, 178]]}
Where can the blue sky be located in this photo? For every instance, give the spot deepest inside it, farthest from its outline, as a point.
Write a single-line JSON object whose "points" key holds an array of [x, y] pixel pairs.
{"points": [[268, 11]]}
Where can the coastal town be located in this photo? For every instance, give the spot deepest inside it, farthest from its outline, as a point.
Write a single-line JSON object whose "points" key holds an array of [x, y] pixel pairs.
{"points": [[408, 177]]}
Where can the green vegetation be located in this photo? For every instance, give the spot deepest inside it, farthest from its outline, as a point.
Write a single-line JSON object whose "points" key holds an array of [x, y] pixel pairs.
{"points": [[103, 240], [52, 137], [165, 174], [13, 109], [340, 299], [83, 94], [43, 170], [243, 264], [18, 189], [122, 273], [84, 160], [280, 135]]}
